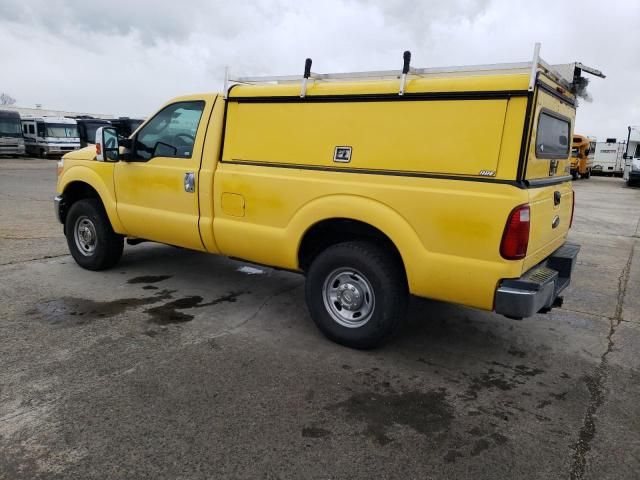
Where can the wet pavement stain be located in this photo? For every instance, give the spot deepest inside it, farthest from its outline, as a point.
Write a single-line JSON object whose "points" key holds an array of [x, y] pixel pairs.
{"points": [[149, 279], [314, 432], [479, 447], [485, 442], [81, 311], [426, 412], [516, 353], [149, 287], [502, 377], [169, 312], [452, 455]]}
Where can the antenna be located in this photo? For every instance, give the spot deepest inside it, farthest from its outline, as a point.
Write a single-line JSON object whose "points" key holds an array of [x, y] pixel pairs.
{"points": [[305, 77], [406, 56]]}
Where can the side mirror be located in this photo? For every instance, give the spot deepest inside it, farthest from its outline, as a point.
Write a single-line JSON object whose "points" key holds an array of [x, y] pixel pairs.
{"points": [[107, 146]]}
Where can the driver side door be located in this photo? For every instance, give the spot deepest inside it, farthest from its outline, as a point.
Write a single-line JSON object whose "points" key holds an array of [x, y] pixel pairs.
{"points": [[157, 188]]}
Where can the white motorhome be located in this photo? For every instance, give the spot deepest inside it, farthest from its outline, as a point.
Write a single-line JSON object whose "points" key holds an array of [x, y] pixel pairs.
{"points": [[608, 158], [45, 136], [11, 141], [632, 157]]}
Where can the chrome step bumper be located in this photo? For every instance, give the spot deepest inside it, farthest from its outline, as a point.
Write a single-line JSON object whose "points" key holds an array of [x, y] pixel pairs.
{"points": [[537, 290]]}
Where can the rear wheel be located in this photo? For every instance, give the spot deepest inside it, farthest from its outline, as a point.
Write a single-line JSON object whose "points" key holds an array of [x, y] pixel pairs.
{"points": [[587, 174], [357, 294], [91, 240]]}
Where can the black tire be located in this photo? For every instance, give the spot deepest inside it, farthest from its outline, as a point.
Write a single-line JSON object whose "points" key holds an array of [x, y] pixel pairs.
{"points": [[89, 215], [574, 175], [373, 268]]}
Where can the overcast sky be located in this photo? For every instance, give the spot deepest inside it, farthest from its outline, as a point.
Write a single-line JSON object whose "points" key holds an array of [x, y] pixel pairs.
{"points": [[127, 57]]}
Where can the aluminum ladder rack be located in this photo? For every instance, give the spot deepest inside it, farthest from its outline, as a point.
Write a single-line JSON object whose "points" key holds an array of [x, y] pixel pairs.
{"points": [[567, 75]]}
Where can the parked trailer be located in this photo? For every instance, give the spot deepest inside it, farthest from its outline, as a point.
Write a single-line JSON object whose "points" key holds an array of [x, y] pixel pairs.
{"points": [[608, 158], [632, 157], [46, 136], [125, 126], [11, 139], [87, 127]]}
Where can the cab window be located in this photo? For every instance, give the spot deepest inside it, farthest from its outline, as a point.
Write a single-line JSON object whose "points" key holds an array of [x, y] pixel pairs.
{"points": [[171, 133], [552, 137]]}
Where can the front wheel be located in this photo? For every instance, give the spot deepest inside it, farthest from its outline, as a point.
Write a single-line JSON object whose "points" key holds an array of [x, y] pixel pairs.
{"points": [[357, 294], [91, 240]]}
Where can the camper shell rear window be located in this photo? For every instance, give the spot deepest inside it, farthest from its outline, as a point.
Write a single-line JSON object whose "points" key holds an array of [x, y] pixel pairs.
{"points": [[553, 134]]}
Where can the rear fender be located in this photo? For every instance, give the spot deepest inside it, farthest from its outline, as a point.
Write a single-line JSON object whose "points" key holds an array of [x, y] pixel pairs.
{"points": [[362, 209]]}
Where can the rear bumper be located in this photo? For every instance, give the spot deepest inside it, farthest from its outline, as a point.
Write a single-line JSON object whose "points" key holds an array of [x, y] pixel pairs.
{"points": [[539, 288]]}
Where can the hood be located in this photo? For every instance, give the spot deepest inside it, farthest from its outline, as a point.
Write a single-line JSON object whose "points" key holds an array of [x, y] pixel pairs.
{"points": [[87, 153]]}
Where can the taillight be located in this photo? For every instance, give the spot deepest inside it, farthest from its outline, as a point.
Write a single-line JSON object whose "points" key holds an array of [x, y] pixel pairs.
{"points": [[98, 149], [573, 206], [515, 238]]}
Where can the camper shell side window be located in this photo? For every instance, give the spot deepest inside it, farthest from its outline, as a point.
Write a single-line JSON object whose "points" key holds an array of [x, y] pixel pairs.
{"points": [[552, 135]]}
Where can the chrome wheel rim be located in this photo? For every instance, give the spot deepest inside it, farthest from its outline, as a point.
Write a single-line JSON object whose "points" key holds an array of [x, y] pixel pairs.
{"points": [[84, 233], [348, 297]]}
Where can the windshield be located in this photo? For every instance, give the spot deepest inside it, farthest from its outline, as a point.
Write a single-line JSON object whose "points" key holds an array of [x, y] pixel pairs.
{"points": [[61, 130], [10, 127]]}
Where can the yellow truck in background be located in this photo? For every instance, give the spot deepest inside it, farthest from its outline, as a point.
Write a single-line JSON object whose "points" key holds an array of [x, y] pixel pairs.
{"points": [[446, 183], [581, 157]]}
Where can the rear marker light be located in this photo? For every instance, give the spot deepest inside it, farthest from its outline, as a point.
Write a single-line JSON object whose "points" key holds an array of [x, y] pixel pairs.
{"points": [[515, 238]]}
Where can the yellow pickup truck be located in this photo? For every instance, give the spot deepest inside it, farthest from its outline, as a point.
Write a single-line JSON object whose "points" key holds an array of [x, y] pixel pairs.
{"points": [[446, 183]]}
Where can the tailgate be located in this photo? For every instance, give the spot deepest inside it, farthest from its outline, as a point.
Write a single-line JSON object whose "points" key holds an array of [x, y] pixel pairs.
{"points": [[551, 208], [547, 173]]}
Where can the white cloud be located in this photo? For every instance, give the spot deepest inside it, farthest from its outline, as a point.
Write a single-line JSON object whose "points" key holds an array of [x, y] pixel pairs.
{"points": [[124, 57]]}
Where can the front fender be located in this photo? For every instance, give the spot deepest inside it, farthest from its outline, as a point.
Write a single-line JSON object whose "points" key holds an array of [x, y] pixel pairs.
{"points": [[100, 177]]}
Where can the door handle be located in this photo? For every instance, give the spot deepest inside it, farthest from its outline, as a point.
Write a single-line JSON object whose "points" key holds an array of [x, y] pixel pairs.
{"points": [[189, 182]]}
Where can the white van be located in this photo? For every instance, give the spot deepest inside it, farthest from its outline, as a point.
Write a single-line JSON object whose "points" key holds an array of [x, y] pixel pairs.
{"points": [[45, 136]]}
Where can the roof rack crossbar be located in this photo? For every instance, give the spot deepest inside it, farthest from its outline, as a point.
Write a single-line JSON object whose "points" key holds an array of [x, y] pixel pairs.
{"points": [[383, 74]]}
